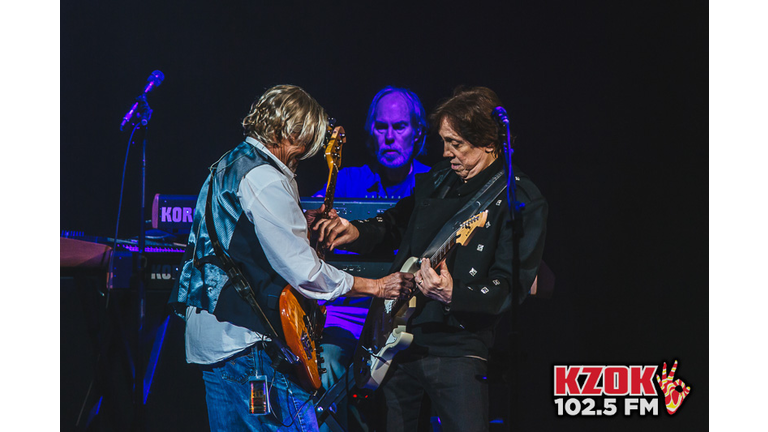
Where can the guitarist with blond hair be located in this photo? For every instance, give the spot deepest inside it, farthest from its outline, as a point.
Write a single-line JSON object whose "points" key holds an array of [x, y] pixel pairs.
{"points": [[247, 243], [449, 327]]}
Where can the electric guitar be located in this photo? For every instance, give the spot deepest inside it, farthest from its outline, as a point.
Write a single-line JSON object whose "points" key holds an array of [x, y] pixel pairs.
{"points": [[302, 319], [384, 333]]}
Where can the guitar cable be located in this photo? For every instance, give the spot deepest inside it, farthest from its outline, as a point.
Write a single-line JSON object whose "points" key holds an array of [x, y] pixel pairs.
{"points": [[269, 390], [119, 211]]}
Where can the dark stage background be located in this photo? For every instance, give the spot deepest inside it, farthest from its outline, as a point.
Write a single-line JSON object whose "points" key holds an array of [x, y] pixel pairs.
{"points": [[608, 100]]}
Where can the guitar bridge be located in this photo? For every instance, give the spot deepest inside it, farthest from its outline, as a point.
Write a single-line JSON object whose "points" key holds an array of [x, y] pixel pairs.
{"points": [[306, 343], [369, 351]]}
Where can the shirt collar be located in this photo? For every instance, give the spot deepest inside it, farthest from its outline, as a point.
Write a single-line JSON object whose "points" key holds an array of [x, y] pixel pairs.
{"points": [[256, 143]]}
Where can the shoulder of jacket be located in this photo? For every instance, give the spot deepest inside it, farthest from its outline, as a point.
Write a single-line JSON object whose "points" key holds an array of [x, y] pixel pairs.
{"points": [[526, 187]]}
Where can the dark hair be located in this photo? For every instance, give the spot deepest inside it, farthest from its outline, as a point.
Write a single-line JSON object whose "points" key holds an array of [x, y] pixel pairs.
{"points": [[469, 113]]}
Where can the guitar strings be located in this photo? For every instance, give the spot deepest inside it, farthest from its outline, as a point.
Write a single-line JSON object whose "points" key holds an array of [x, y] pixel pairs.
{"points": [[451, 240]]}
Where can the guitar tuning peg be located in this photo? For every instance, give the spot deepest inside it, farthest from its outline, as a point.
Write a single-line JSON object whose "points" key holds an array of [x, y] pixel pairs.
{"points": [[322, 370], [320, 360], [331, 121]]}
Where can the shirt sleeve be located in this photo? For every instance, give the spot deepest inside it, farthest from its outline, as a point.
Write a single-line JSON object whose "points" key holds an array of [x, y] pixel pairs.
{"points": [[268, 202]]}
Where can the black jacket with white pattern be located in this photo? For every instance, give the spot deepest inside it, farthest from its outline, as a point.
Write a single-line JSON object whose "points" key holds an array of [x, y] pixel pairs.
{"points": [[481, 270]]}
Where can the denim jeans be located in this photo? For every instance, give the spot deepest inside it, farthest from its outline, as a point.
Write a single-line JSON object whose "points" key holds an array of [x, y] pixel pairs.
{"points": [[227, 394]]}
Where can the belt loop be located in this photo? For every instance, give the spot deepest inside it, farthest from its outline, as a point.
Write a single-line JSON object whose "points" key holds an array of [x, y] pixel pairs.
{"points": [[255, 348]]}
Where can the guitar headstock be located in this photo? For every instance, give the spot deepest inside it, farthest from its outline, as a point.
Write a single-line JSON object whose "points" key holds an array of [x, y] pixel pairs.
{"points": [[467, 228], [333, 148]]}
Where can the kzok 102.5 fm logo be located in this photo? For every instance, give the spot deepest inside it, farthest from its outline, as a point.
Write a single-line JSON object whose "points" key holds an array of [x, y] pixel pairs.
{"points": [[610, 390]]}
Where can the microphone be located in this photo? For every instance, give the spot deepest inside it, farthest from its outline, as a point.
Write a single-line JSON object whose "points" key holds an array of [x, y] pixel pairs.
{"points": [[500, 114], [155, 79]]}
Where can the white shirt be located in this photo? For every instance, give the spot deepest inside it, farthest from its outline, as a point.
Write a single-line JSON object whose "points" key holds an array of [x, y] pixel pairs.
{"points": [[270, 199]]}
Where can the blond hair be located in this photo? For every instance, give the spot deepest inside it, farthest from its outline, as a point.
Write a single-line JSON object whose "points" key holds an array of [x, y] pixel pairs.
{"points": [[287, 112]]}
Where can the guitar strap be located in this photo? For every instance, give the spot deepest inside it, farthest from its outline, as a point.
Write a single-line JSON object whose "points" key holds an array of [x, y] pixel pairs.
{"points": [[239, 282], [479, 202]]}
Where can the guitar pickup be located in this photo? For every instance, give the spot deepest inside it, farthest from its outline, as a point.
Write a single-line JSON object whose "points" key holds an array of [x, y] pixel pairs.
{"points": [[306, 344]]}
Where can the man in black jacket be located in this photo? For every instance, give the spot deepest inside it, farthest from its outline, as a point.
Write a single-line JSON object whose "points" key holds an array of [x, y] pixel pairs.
{"points": [[459, 301]]}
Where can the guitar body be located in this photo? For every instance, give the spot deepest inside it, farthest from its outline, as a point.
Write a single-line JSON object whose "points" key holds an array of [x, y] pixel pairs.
{"points": [[411, 265], [384, 336], [398, 340], [384, 332], [303, 322], [302, 319]]}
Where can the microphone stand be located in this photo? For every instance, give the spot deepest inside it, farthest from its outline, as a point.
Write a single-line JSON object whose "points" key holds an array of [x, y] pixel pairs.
{"points": [[140, 264], [515, 211]]}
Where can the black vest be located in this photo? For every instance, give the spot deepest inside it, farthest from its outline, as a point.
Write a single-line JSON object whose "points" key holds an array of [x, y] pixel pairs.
{"points": [[205, 285]]}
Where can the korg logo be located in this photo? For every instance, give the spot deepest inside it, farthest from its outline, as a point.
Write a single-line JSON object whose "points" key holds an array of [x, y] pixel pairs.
{"points": [[176, 214], [163, 272]]}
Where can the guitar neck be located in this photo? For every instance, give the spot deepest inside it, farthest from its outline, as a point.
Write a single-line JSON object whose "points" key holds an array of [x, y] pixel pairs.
{"points": [[434, 261], [330, 190], [333, 157], [442, 251]]}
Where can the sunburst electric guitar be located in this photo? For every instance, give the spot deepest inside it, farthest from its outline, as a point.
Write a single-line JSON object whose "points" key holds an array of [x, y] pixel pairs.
{"points": [[384, 333], [302, 318]]}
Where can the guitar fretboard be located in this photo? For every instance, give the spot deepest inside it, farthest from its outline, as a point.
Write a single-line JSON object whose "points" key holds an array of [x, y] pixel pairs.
{"points": [[441, 252], [330, 190], [333, 157], [435, 260]]}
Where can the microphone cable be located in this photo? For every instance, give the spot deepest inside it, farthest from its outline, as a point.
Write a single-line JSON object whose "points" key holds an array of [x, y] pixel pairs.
{"points": [[111, 264]]}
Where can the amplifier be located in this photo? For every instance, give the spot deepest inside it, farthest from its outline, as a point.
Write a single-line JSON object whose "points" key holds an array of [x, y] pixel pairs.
{"points": [[174, 213], [161, 272]]}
